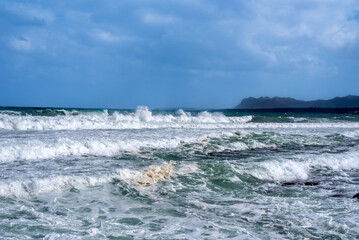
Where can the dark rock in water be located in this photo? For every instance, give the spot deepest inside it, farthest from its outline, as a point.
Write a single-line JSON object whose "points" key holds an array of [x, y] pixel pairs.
{"points": [[300, 183], [288, 183], [311, 183], [228, 153], [212, 154], [337, 195], [342, 195]]}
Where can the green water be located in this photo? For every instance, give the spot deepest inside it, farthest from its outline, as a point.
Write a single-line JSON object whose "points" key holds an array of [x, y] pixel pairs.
{"points": [[71, 174]]}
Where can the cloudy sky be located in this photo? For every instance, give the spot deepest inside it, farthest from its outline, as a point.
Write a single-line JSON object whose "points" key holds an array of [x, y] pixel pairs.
{"points": [[175, 53]]}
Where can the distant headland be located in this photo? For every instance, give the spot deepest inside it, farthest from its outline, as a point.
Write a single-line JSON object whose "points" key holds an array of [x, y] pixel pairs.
{"points": [[349, 101]]}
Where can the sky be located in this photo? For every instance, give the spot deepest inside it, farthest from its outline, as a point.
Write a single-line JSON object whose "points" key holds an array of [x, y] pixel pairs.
{"points": [[175, 53]]}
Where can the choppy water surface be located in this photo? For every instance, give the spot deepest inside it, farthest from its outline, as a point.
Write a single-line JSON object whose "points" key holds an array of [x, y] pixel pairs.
{"points": [[76, 174]]}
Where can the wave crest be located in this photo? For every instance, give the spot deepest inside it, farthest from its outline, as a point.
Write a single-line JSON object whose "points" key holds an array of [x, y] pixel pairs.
{"points": [[289, 170], [141, 118], [32, 187]]}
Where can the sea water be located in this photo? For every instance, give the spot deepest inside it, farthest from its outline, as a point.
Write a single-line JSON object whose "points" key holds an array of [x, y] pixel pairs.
{"points": [[141, 174]]}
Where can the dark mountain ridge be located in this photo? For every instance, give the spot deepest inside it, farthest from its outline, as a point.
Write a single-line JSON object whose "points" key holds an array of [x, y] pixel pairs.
{"points": [[349, 101]]}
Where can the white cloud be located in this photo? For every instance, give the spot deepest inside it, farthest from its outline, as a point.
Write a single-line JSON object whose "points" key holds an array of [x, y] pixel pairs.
{"points": [[155, 18], [108, 37], [326, 23], [279, 30], [32, 12], [22, 44]]}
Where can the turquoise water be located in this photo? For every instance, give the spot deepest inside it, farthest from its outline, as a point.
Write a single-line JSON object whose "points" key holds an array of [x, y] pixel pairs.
{"points": [[76, 174]]}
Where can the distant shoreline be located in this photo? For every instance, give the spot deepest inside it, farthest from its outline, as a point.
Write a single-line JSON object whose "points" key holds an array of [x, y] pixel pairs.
{"points": [[350, 101], [296, 110]]}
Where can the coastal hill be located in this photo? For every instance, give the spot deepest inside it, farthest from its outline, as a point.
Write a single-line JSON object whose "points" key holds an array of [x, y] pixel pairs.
{"points": [[350, 101]]}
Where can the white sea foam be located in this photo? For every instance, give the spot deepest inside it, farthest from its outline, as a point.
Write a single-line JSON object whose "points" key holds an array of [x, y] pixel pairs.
{"points": [[32, 187], [351, 134], [65, 144], [240, 146], [298, 119], [153, 174], [281, 170], [9, 112], [142, 118], [187, 169], [302, 125], [31, 150], [288, 170], [35, 186]]}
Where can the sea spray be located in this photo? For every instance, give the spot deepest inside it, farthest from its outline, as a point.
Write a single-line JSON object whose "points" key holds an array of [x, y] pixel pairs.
{"points": [[141, 118], [97, 173], [32, 187]]}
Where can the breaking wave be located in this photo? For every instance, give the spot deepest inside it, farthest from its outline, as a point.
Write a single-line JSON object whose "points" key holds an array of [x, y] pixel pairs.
{"points": [[141, 118], [288, 170], [65, 147], [35, 186], [32, 187]]}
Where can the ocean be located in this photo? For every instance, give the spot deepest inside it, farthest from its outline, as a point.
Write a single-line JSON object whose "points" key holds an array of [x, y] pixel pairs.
{"points": [[141, 174]]}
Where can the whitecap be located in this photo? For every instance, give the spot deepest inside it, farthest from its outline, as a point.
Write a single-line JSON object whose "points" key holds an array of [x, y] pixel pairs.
{"points": [[141, 118]]}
